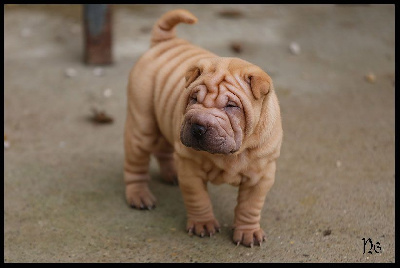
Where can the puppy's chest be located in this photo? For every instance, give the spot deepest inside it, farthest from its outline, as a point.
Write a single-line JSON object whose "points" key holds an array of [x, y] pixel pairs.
{"points": [[233, 171]]}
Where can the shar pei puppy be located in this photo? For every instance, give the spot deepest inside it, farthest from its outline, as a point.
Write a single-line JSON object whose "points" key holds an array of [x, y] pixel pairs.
{"points": [[205, 118]]}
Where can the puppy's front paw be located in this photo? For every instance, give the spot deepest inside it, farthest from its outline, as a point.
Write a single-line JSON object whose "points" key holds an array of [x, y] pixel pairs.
{"points": [[139, 196], [203, 228], [248, 237]]}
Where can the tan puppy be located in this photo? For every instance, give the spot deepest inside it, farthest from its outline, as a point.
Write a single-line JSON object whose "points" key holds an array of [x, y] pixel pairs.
{"points": [[206, 119]]}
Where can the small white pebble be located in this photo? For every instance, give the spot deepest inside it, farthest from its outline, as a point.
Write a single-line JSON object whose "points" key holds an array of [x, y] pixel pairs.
{"points": [[98, 71], [294, 48], [26, 32], [70, 72], [6, 144], [338, 163], [107, 92]]}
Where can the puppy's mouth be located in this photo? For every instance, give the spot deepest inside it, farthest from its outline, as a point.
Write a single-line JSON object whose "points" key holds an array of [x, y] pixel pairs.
{"points": [[205, 133]]}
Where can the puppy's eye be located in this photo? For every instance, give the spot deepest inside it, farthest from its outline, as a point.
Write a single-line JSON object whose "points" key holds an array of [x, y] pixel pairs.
{"points": [[231, 104], [193, 98]]}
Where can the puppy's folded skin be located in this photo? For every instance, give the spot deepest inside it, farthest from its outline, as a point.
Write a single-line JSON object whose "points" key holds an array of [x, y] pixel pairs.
{"points": [[206, 119]]}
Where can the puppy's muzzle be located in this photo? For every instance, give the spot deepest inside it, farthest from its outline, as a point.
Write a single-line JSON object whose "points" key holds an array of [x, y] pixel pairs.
{"points": [[203, 131]]}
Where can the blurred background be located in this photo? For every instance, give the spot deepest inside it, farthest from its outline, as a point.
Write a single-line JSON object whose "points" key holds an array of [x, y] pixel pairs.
{"points": [[333, 68]]}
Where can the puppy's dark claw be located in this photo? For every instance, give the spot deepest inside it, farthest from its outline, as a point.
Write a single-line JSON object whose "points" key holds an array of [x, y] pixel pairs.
{"points": [[143, 207]]}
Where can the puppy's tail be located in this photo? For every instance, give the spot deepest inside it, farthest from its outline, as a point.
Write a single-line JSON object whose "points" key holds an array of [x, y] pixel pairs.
{"points": [[164, 28]]}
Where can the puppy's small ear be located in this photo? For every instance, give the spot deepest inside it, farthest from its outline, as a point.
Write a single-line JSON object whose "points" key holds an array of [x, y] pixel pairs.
{"points": [[191, 75], [260, 84]]}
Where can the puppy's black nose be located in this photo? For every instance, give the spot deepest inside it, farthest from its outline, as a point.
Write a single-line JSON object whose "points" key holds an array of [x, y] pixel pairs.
{"points": [[198, 131]]}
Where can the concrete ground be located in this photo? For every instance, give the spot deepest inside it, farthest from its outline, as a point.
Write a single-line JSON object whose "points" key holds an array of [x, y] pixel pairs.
{"points": [[335, 181]]}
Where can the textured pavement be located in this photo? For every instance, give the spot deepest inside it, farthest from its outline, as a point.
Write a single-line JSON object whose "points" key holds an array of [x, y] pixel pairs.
{"points": [[333, 67]]}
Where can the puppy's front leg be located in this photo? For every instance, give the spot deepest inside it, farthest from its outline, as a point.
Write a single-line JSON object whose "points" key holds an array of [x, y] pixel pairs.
{"points": [[200, 216], [251, 199], [136, 165]]}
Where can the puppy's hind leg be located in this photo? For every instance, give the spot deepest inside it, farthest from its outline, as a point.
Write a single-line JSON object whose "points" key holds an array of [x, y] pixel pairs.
{"points": [[164, 154]]}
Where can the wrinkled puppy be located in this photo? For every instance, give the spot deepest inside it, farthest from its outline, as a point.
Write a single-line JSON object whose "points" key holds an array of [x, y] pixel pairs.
{"points": [[206, 119]]}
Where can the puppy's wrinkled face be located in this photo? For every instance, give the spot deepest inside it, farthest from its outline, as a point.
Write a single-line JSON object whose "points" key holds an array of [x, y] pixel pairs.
{"points": [[220, 97]]}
